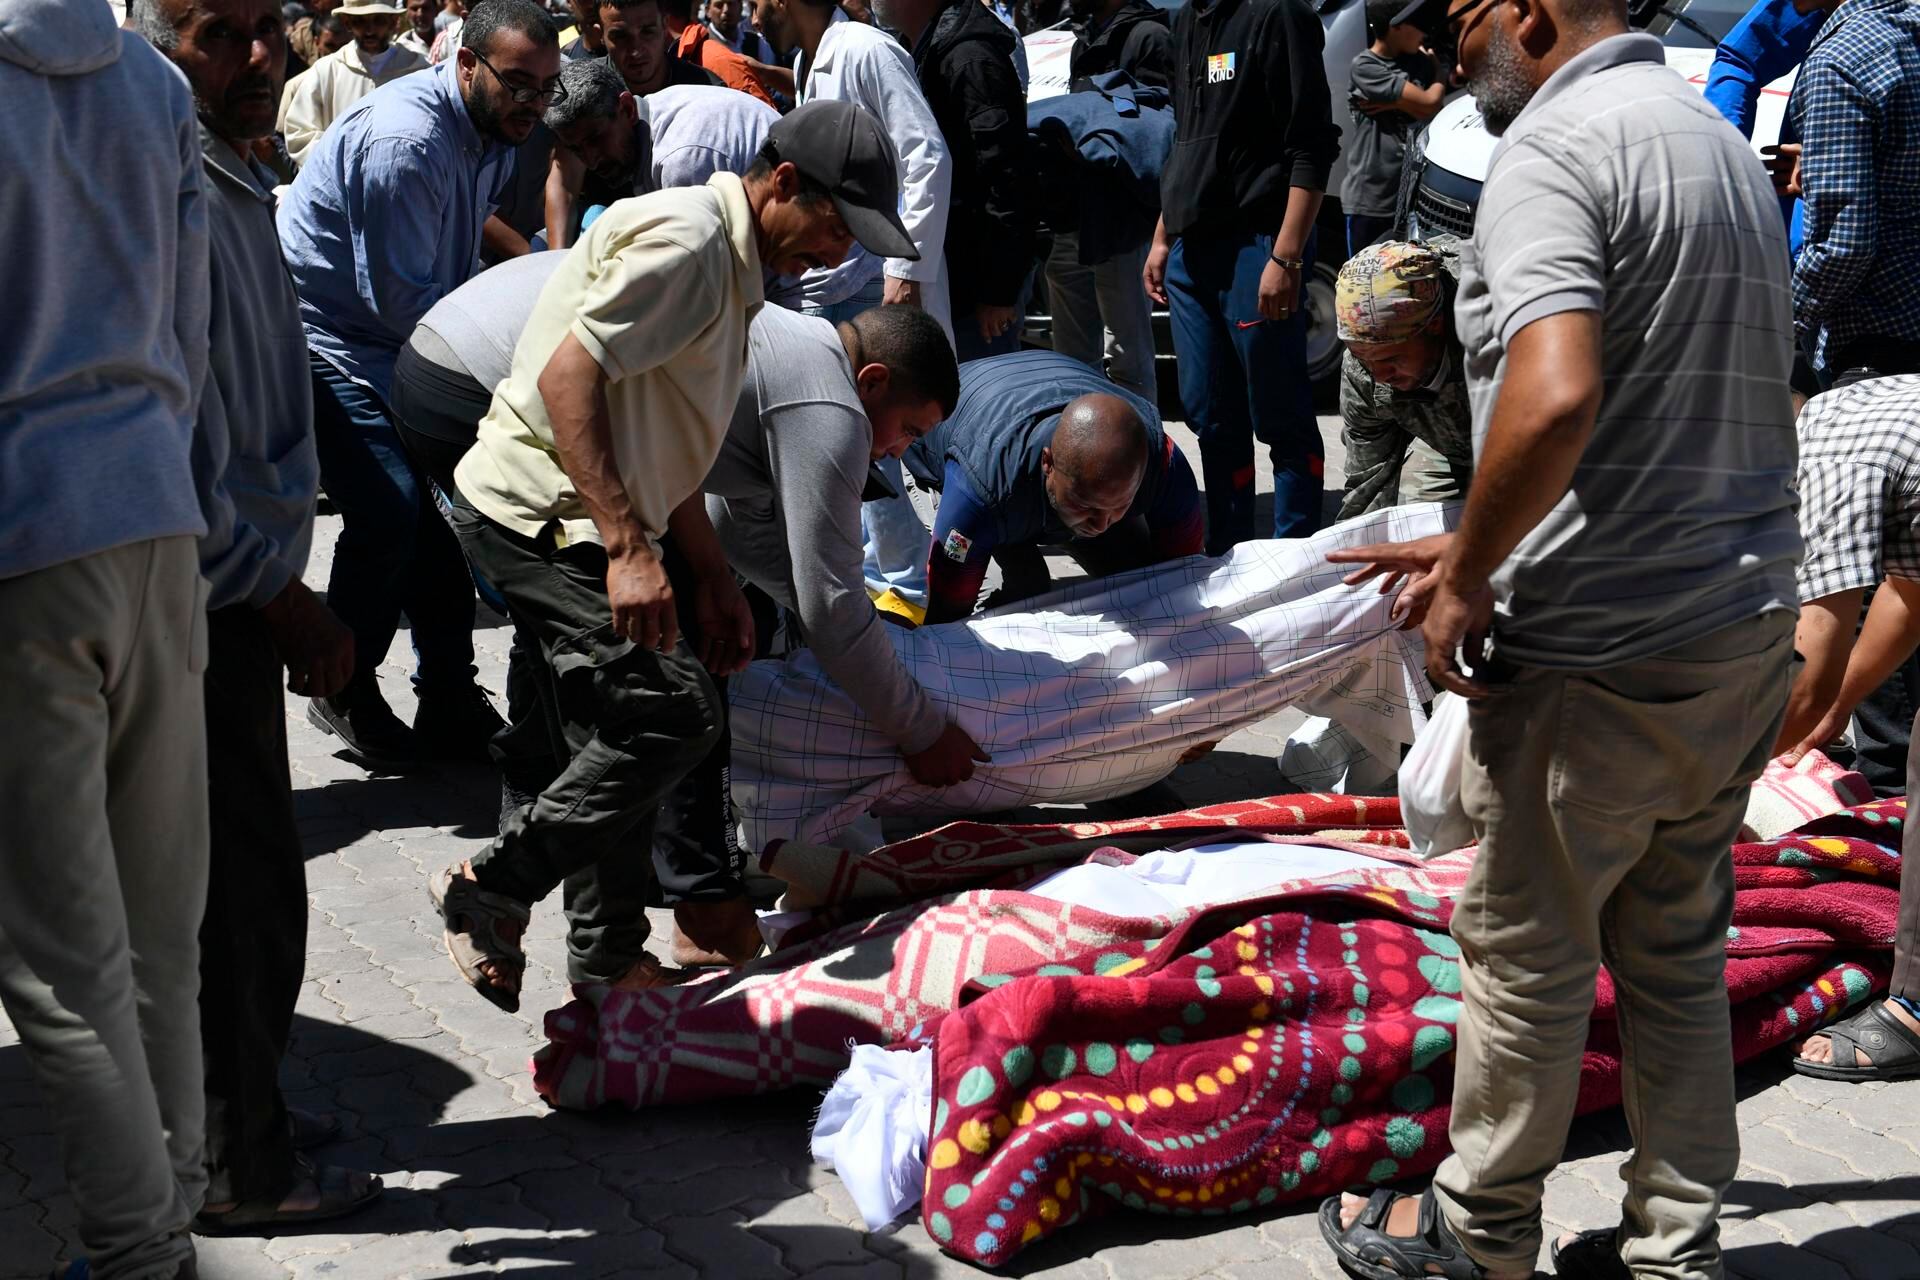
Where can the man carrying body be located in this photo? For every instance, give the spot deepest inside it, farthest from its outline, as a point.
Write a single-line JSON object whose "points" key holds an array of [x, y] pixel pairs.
{"points": [[335, 83], [1632, 514], [623, 384], [1405, 418], [612, 145], [103, 773], [257, 475], [1101, 315], [1859, 487], [963, 56], [382, 222], [1043, 451], [1239, 197]]}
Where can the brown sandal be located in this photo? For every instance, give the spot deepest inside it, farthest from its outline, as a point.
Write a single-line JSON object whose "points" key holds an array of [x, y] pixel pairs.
{"points": [[473, 918]]}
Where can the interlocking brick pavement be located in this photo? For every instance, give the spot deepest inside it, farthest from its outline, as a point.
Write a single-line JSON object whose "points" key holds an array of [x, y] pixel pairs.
{"points": [[483, 1179]]}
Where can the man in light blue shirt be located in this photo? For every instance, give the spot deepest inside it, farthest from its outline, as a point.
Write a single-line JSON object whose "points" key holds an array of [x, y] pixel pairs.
{"points": [[383, 221]]}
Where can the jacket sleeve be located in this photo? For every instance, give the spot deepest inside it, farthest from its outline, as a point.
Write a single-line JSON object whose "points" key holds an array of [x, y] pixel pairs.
{"points": [[1763, 46], [1309, 141], [1836, 181], [964, 536], [888, 86], [997, 124], [1375, 443], [396, 229], [1148, 56], [241, 563]]}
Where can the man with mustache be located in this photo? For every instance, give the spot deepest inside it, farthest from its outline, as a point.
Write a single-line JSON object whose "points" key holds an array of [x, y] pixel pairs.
{"points": [[622, 386], [339, 80], [1618, 608], [257, 474], [384, 220], [1043, 451]]}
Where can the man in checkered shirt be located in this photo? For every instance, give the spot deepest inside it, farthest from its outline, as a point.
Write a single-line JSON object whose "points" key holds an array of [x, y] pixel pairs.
{"points": [[1856, 112], [1859, 483]]}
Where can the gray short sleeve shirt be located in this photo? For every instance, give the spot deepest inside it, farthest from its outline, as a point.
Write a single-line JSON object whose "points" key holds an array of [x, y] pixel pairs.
{"points": [[1619, 190]]}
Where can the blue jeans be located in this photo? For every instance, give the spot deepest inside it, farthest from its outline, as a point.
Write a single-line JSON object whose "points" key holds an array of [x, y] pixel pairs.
{"points": [[1243, 378], [896, 540], [395, 552]]}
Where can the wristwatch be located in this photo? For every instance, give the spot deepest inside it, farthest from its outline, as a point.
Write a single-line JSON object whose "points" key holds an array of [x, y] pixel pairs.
{"points": [[1291, 264]]}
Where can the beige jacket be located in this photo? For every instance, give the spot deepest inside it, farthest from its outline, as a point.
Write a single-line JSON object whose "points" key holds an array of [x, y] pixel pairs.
{"points": [[323, 92]]}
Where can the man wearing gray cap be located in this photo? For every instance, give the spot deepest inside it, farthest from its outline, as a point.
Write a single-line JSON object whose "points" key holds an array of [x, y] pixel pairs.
{"points": [[623, 385]]}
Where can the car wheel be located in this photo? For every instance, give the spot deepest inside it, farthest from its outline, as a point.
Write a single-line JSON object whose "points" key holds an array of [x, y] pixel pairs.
{"points": [[1323, 340]]}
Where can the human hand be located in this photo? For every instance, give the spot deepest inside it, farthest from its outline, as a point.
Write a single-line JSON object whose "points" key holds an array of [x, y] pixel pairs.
{"points": [[1199, 751], [726, 624], [1831, 726], [948, 761], [900, 293], [1367, 106], [642, 600], [993, 321], [1458, 622], [1153, 277], [316, 646], [1783, 162], [1413, 563], [1279, 290]]}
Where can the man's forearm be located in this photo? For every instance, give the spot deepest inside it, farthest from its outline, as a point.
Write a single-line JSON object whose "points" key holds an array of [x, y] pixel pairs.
{"points": [[574, 387], [501, 241], [1303, 206], [1824, 640], [1544, 416], [693, 535], [1889, 637]]}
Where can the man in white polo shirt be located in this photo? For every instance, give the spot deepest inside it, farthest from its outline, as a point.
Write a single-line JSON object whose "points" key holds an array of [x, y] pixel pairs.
{"points": [[1618, 605], [623, 385]]}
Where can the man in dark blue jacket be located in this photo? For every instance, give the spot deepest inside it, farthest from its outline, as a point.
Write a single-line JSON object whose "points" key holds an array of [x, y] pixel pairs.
{"points": [[1238, 201], [1041, 451]]}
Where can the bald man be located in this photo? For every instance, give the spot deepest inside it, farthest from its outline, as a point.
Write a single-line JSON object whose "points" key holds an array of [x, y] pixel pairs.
{"points": [[1040, 451]]}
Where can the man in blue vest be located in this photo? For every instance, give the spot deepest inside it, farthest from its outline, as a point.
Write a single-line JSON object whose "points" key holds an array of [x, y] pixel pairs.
{"points": [[1041, 450]]}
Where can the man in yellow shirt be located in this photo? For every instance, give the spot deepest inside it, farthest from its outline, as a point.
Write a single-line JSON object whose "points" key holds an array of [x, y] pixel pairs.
{"points": [[320, 95], [623, 384]]}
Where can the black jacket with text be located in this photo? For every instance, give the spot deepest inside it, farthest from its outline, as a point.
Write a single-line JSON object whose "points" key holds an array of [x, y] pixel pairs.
{"points": [[1252, 115], [1135, 41]]}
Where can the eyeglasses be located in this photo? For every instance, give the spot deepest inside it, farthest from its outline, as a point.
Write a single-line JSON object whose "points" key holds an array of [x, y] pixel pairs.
{"points": [[1459, 14], [552, 91]]}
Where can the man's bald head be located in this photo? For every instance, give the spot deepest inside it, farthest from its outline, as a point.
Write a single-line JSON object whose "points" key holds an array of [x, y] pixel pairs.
{"points": [[1095, 462]]}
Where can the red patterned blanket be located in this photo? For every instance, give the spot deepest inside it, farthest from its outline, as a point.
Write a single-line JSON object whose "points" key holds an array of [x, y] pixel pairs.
{"points": [[1285, 1049]]}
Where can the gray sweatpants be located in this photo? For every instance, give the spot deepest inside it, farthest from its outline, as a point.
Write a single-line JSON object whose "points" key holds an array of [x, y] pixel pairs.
{"points": [[103, 880]]}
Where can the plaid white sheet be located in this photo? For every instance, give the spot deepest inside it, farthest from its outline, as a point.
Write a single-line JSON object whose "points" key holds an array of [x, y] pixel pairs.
{"points": [[1094, 691]]}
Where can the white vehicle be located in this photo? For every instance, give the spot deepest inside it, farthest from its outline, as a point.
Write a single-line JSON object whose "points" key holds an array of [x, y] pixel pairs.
{"points": [[1345, 22], [1448, 162]]}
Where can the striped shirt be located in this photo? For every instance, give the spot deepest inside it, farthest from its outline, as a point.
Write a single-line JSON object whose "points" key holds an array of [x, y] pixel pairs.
{"points": [[1618, 190]]}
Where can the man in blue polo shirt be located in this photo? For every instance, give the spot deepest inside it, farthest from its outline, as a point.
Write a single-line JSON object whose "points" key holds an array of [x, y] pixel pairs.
{"points": [[383, 221], [1041, 450]]}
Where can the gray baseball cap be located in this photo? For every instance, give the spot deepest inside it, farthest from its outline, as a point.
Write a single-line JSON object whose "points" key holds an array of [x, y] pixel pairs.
{"points": [[844, 149]]}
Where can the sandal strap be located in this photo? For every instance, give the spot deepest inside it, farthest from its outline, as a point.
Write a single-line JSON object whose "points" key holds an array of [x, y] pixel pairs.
{"points": [[1875, 1032]]}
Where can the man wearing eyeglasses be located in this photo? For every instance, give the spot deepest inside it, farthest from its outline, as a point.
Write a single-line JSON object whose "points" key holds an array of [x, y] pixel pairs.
{"points": [[385, 219], [1618, 608]]}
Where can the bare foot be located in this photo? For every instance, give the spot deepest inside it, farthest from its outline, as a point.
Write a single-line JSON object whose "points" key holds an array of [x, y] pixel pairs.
{"points": [[1819, 1048], [1403, 1221]]}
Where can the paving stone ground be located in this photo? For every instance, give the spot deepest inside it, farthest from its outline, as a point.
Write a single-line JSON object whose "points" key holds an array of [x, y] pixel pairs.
{"points": [[431, 1083]]}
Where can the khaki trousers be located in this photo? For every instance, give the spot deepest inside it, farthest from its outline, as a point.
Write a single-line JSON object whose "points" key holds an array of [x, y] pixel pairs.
{"points": [[1607, 802], [103, 784]]}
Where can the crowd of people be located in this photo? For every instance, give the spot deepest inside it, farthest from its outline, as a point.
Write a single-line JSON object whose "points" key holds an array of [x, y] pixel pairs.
{"points": [[635, 331]]}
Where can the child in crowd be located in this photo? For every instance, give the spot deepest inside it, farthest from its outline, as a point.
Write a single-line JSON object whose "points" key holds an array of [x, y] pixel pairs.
{"points": [[1395, 82]]}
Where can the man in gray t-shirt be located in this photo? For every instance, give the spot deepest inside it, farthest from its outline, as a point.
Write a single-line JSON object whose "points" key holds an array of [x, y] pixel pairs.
{"points": [[1624, 312]]}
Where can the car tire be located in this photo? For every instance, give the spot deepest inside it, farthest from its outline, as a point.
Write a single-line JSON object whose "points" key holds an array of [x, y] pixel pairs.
{"points": [[1324, 348]]}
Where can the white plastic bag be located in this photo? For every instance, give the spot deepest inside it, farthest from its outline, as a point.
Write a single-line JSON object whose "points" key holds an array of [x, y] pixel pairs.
{"points": [[1430, 781]]}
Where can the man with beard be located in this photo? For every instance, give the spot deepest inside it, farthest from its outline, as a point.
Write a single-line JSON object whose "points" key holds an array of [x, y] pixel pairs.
{"points": [[1255, 142], [1404, 414], [1043, 451], [642, 50], [255, 468], [418, 37], [385, 219], [613, 145], [1628, 547], [339, 80]]}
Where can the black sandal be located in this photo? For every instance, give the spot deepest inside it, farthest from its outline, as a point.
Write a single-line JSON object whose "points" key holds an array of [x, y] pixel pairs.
{"points": [[1591, 1255], [1366, 1250], [338, 1198], [1891, 1047]]}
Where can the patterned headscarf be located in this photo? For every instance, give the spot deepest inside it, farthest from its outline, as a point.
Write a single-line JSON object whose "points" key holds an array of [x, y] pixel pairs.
{"points": [[1389, 292]]}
